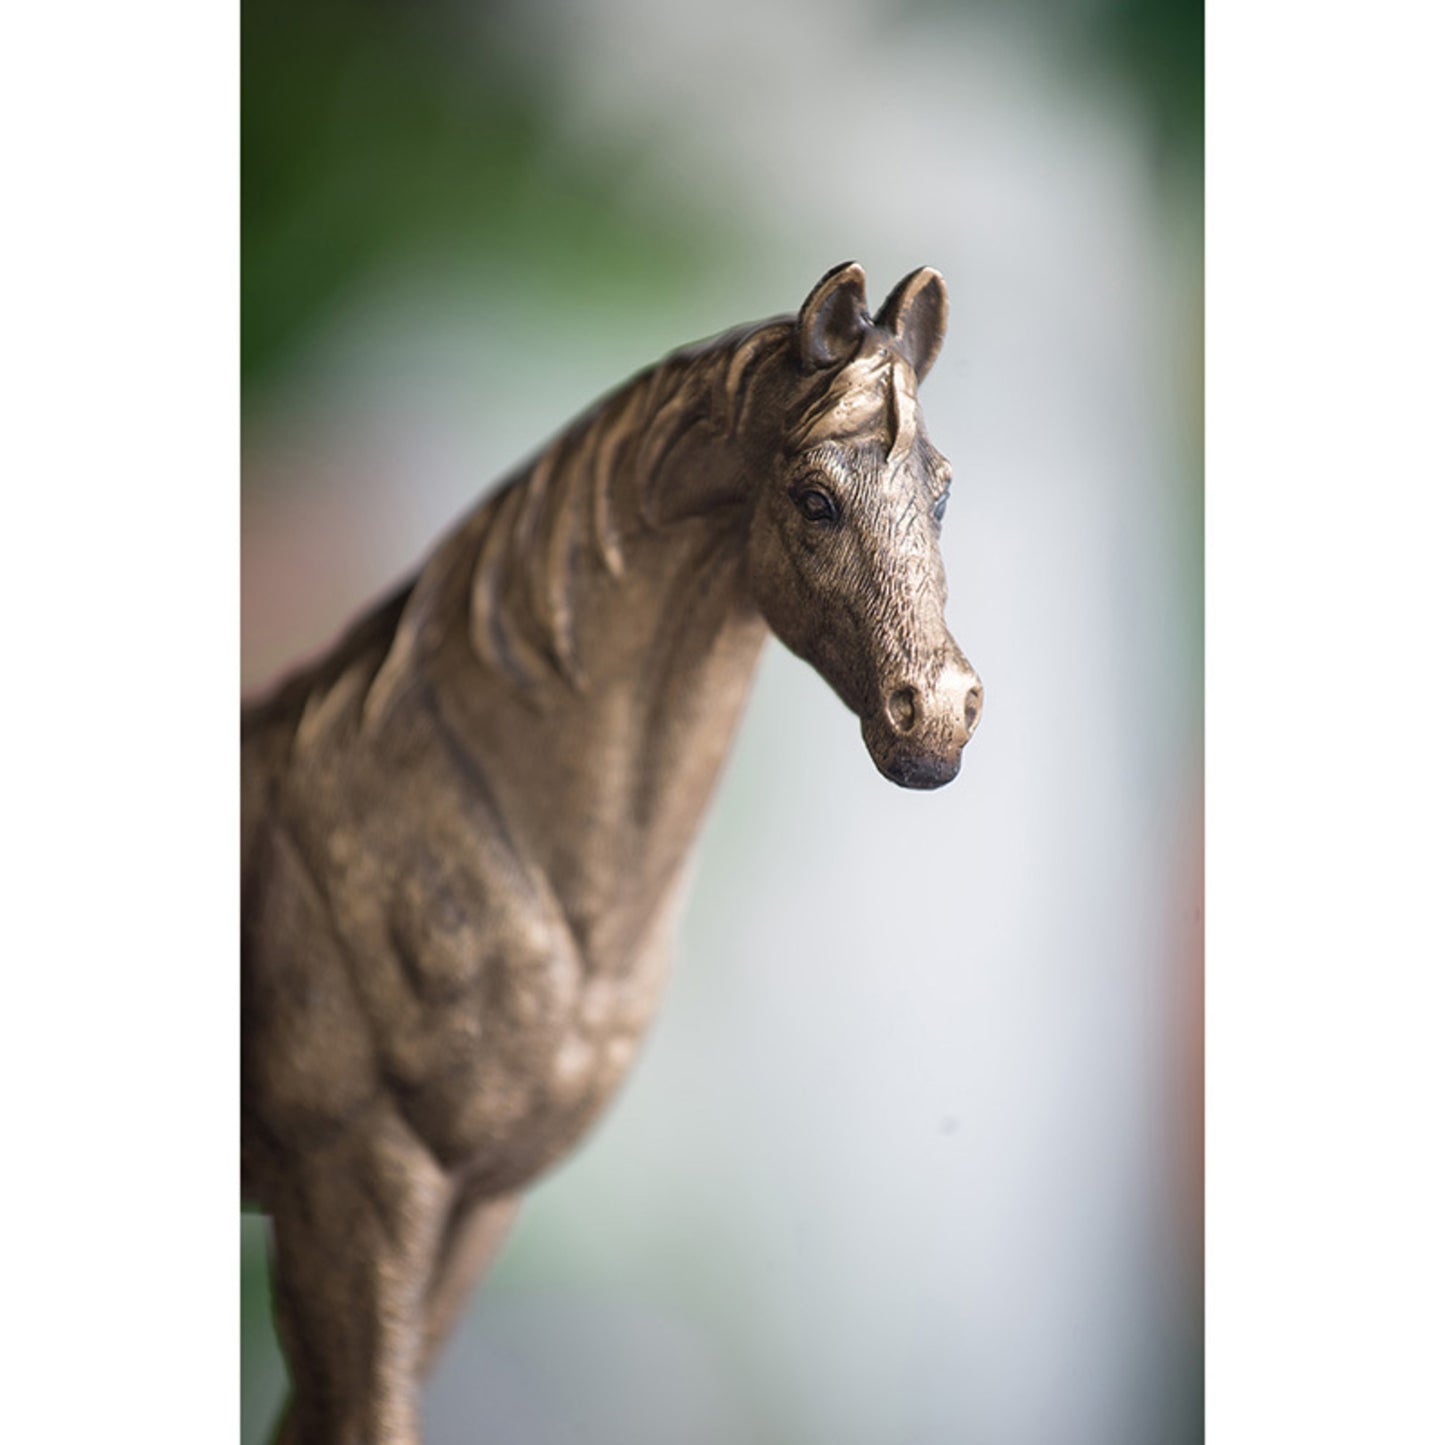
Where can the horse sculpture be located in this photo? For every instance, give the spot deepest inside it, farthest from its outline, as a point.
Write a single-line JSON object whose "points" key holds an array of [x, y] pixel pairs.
{"points": [[464, 827]]}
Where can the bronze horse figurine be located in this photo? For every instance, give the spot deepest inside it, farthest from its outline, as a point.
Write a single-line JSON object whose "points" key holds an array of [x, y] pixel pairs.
{"points": [[464, 827]]}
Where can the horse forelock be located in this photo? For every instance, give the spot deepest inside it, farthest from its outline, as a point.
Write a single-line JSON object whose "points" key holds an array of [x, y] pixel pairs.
{"points": [[871, 398]]}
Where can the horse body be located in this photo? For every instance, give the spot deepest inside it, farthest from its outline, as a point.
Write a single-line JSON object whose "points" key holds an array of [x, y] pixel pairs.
{"points": [[464, 828]]}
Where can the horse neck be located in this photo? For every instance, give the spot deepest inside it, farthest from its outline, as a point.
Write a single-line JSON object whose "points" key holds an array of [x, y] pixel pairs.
{"points": [[608, 610]]}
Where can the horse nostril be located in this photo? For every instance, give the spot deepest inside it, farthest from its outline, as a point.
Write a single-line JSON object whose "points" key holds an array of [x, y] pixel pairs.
{"points": [[972, 706], [903, 709]]}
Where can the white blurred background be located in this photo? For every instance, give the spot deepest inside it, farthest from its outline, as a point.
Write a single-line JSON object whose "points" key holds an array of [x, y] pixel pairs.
{"points": [[914, 1152]]}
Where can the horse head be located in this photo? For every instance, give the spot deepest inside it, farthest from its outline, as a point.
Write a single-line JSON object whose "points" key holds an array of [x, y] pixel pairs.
{"points": [[842, 554]]}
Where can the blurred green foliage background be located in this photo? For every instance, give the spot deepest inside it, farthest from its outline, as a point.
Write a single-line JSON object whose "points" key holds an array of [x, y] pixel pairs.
{"points": [[375, 131]]}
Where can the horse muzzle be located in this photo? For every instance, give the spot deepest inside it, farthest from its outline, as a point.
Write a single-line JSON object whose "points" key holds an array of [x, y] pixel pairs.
{"points": [[917, 735]]}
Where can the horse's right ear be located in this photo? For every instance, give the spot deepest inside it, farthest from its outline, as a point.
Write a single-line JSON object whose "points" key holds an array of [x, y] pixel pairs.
{"points": [[833, 317]]}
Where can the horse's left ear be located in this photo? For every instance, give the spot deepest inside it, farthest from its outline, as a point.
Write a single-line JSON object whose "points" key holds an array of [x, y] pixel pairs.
{"points": [[916, 312]]}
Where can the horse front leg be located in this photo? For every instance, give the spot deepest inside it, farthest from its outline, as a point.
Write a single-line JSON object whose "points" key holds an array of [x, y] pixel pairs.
{"points": [[355, 1233], [475, 1234]]}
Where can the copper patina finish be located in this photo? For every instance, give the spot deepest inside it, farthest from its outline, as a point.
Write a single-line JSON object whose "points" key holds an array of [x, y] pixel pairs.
{"points": [[464, 827]]}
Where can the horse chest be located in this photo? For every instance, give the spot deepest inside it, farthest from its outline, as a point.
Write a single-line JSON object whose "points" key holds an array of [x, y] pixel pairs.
{"points": [[515, 1069]]}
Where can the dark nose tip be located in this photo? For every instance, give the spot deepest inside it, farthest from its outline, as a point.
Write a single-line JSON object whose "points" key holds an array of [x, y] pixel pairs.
{"points": [[923, 770]]}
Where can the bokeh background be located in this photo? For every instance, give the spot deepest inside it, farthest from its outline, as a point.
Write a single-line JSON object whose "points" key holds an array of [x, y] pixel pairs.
{"points": [[914, 1152]]}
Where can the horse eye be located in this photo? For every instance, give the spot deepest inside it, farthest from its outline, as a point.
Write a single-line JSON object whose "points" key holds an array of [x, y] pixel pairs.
{"points": [[940, 507], [816, 506]]}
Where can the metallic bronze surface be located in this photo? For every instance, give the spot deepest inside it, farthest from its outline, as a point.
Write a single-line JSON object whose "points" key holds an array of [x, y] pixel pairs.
{"points": [[464, 827]]}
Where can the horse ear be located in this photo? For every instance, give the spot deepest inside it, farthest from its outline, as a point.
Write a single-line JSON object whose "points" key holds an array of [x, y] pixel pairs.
{"points": [[916, 312], [833, 317]]}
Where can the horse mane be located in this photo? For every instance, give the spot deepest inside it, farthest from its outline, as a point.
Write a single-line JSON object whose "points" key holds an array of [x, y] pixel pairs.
{"points": [[513, 564]]}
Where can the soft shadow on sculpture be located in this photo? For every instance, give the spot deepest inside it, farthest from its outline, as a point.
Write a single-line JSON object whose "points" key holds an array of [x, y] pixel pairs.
{"points": [[464, 827]]}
